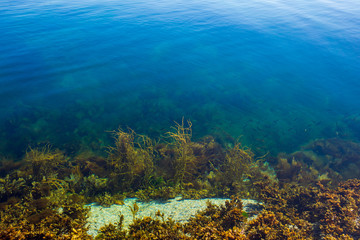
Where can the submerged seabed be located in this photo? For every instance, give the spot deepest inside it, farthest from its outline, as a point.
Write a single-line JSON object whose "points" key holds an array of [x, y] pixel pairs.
{"points": [[312, 193], [178, 209]]}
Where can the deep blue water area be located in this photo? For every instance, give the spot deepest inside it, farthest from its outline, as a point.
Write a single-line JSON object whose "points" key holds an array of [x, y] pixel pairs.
{"points": [[277, 73]]}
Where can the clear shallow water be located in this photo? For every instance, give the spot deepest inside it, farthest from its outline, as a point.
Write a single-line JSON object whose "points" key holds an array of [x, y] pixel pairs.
{"points": [[277, 73]]}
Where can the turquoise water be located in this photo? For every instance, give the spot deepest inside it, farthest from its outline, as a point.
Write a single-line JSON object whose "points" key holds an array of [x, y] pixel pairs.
{"points": [[277, 73]]}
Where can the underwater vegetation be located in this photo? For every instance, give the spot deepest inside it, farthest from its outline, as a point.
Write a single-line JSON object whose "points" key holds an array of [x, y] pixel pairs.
{"points": [[130, 160], [315, 212], [290, 213], [309, 194], [325, 160]]}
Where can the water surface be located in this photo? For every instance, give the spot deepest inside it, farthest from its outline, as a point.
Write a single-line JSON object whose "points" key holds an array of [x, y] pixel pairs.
{"points": [[277, 73]]}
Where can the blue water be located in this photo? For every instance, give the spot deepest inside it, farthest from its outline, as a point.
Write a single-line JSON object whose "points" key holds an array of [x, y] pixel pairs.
{"points": [[278, 74]]}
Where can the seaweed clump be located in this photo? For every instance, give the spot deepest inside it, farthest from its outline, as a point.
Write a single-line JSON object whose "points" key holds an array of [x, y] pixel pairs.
{"points": [[315, 212], [45, 163], [219, 222], [326, 160], [112, 231], [184, 159], [130, 160], [35, 202], [58, 216], [149, 228]]}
